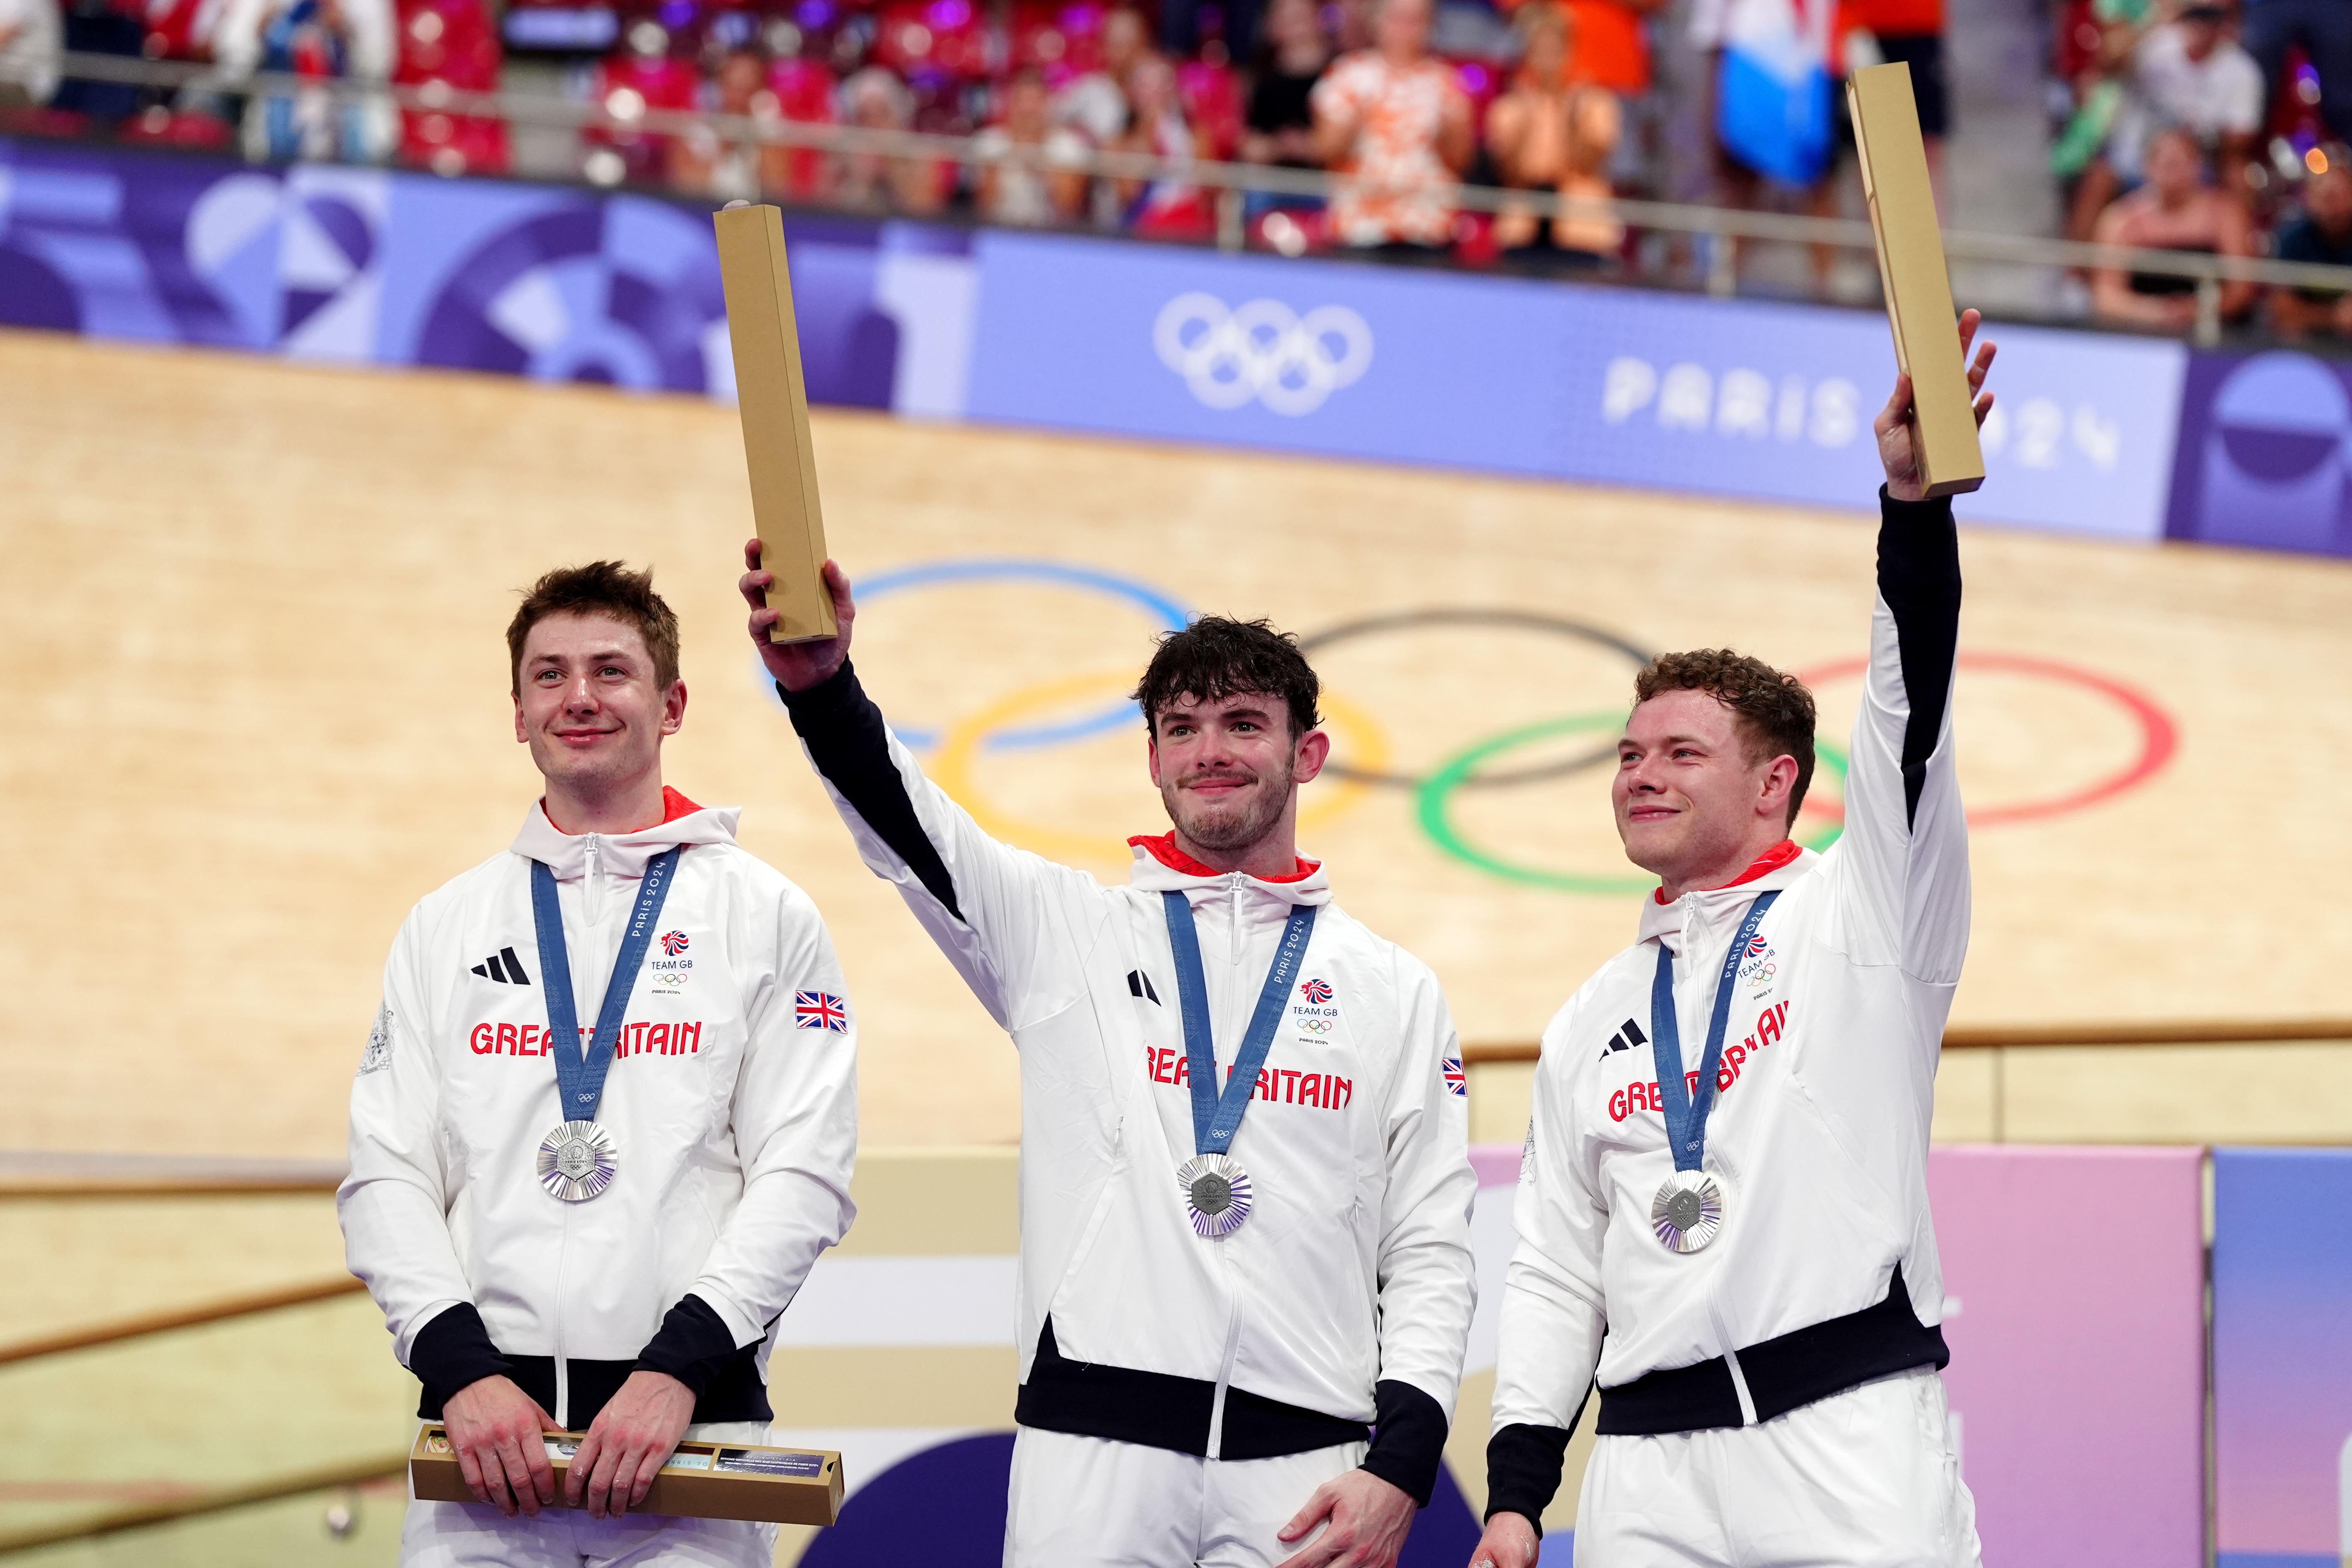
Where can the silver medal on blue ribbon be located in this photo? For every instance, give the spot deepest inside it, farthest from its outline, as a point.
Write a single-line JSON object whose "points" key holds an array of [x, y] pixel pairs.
{"points": [[1689, 1212], [1217, 1192], [578, 1161]]}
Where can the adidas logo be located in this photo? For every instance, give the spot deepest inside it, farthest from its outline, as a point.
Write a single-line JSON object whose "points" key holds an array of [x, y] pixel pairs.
{"points": [[1628, 1031], [503, 968], [1140, 985]]}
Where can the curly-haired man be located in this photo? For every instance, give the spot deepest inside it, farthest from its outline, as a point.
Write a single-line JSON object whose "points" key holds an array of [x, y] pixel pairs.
{"points": [[1246, 1182], [1723, 1207]]}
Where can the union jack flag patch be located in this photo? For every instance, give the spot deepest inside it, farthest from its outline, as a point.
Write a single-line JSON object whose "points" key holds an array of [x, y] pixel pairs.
{"points": [[819, 1010], [1457, 1080]]}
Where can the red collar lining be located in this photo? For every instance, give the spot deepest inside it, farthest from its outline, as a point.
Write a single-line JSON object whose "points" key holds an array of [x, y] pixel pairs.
{"points": [[1163, 849], [1764, 865], [675, 806]]}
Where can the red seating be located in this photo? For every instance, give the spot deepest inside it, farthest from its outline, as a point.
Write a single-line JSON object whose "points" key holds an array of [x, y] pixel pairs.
{"points": [[454, 44]]}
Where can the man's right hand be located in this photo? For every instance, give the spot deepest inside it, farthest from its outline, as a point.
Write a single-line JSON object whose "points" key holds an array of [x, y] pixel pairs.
{"points": [[495, 1428], [797, 665], [1510, 1542]]}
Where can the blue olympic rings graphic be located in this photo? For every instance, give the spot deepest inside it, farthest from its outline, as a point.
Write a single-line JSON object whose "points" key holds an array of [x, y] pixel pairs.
{"points": [[1171, 615]]}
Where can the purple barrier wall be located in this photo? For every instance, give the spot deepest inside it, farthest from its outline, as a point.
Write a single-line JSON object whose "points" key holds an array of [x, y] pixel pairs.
{"points": [[2076, 1282]]}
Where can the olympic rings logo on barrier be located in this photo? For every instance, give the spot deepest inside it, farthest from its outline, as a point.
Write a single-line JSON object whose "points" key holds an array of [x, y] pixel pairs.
{"points": [[1018, 722], [1263, 350]]}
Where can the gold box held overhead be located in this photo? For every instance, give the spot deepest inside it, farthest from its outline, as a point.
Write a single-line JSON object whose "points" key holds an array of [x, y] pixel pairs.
{"points": [[773, 401], [702, 1480], [1911, 266]]}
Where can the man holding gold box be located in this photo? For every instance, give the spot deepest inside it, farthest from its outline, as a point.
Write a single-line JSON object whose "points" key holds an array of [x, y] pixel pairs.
{"points": [[1722, 1212], [1246, 1188], [582, 1202]]}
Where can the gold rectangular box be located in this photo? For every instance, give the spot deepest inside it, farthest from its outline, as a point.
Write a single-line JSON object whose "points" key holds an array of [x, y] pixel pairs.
{"points": [[702, 1480], [1911, 266], [773, 398]]}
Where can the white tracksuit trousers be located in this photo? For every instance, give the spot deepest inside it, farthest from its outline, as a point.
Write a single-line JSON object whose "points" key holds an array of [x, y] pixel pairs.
{"points": [[476, 1535], [1090, 1502], [1865, 1479]]}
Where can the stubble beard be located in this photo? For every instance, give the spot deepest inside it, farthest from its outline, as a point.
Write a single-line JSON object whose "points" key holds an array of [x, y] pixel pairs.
{"points": [[1229, 832]]}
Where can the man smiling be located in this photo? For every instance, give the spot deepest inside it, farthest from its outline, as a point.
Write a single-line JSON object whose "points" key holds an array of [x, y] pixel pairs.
{"points": [[553, 1250], [1725, 1174], [1245, 1185]]}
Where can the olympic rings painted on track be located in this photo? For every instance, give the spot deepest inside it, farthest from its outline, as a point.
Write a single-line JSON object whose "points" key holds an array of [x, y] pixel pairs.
{"points": [[1169, 614], [952, 768], [1434, 807], [2158, 737], [1403, 620]]}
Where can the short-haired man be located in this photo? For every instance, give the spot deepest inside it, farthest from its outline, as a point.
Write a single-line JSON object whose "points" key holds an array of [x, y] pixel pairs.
{"points": [[556, 1248], [1245, 1185], [1726, 1170]]}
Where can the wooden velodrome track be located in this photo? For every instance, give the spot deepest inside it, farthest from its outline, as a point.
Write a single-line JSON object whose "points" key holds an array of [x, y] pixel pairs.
{"points": [[264, 709]]}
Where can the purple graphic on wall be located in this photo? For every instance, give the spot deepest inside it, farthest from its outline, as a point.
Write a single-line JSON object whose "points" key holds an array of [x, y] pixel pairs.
{"points": [[360, 265], [2262, 458]]}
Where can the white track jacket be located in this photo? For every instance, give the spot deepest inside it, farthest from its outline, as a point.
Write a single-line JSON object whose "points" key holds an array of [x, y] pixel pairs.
{"points": [[732, 1101], [1354, 1268], [1819, 1134]]}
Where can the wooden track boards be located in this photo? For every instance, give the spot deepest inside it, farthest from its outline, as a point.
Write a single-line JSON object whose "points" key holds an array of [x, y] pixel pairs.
{"points": [[225, 810]]}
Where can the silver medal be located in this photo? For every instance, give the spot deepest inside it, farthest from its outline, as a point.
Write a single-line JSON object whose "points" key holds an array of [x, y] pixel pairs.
{"points": [[1216, 1194], [1687, 1212], [577, 1162]]}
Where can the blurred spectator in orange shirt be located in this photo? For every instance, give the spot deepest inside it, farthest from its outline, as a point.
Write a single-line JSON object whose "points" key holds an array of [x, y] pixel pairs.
{"points": [[2175, 210], [1553, 130], [1612, 40], [1394, 117]]}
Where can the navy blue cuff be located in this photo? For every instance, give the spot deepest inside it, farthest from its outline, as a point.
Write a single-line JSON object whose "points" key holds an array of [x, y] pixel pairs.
{"points": [[453, 1350], [1408, 1438], [690, 1346], [1523, 1467]]}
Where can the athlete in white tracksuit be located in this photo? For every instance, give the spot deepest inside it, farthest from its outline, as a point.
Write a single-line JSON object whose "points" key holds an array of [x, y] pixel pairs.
{"points": [[1183, 1396], [1772, 1397], [731, 1106]]}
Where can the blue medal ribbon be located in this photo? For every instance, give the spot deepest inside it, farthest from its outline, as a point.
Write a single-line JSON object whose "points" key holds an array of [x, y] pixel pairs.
{"points": [[1686, 1114], [580, 1068], [1215, 1118]]}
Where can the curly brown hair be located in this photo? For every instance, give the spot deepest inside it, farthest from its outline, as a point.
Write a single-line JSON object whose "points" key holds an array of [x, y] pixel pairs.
{"points": [[1774, 710], [1217, 656], [606, 588]]}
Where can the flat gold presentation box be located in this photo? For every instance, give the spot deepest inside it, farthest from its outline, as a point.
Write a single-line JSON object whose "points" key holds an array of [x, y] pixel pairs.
{"points": [[1893, 157], [702, 1480], [773, 397]]}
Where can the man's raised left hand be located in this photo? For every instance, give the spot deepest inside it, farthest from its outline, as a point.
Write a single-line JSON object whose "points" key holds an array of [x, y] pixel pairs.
{"points": [[627, 1443], [1367, 1522]]}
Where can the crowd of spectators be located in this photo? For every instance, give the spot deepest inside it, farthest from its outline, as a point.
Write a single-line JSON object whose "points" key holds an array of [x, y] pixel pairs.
{"points": [[2200, 126], [2180, 124]]}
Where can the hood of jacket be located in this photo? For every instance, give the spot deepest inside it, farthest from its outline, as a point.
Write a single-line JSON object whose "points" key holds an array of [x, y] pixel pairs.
{"points": [[1161, 866], [623, 854]]}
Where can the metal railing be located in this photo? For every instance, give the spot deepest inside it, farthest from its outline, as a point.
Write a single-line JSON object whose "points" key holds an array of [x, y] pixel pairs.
{"points": [[1721, 227], [2013, 1037]]}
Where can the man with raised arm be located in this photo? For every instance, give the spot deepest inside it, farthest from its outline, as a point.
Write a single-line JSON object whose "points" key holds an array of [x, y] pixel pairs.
{"points": [[1245, 1185], [605, 1122], [1722, 1211]]}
